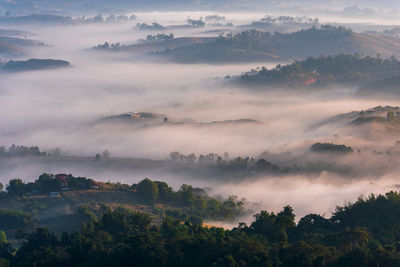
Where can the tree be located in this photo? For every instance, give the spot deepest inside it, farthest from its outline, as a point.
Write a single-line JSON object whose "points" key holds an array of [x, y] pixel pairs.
{"points": [[174, 156], [6, 250], [16, 187], [147, 190], [3, 237], [106, 154], [165, 192], [47, 183]]}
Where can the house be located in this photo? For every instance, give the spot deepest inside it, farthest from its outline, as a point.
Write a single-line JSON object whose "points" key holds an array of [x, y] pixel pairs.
{"points": [[62, 178], [136, 115], [94, 185], [54, 195]]}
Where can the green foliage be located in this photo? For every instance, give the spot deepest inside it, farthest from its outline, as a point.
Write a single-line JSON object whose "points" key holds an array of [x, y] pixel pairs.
{"points": [[194, 201], [147, 190], [365, 233], [13, 219], [47, 183], [6, 250], [342, 69], [15, 187], [3, 237], [86, 214]]}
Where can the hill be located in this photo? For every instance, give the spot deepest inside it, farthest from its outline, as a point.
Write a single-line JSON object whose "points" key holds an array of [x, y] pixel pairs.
{"points": [[147, 119], [154, 46], [324, 71], [255, 45], [62, 201], [35, 64]]}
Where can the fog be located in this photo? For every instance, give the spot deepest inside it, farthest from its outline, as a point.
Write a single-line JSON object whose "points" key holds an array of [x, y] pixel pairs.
{"points": [[63, 109]]}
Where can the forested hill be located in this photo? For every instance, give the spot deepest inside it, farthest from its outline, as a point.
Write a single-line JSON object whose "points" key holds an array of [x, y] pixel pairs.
{"points": [[35, 64], [60, 202], [323, 71], [365, 233], [261, 46]]}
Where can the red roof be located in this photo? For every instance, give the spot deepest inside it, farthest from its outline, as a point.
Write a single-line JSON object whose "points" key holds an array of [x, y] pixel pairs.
{"points": [[310, 81]]}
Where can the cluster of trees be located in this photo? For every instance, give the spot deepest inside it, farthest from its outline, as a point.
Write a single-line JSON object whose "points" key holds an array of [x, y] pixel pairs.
{"points": [[190, 201], [326, 70], [46, 183], [225, 163], [250, 36], [193, 201], [108, 46], [104, 155], [103, 19], [331, 148], [365, 233], [215, 18], [186, 202], [12, 219], [289, 19], [195, 23], [217, 21], [239, 165], [153, 26], [35, 64], [246, 36], [326, 30], [160, 37], [19, 151], [192, 158]]}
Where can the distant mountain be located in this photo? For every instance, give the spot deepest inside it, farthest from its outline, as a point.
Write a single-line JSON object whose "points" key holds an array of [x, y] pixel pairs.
{"points": [[35, 64], [148, 119], [363, 7], [13, 33], [21, 42], [54, 19], [254, 45]]}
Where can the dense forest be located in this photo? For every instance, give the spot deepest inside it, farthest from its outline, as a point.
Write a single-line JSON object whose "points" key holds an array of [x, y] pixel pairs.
{"points": [[364, 233], [325, 70], [30, 204]]}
